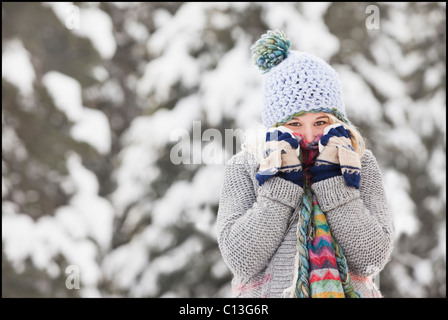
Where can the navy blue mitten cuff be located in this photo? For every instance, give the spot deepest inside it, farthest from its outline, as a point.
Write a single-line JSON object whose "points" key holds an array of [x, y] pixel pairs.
{"points": [[324, 172], [295, 176]]}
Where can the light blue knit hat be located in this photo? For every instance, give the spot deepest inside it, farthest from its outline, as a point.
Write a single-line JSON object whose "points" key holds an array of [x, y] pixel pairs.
{"points": [[296, 82]]}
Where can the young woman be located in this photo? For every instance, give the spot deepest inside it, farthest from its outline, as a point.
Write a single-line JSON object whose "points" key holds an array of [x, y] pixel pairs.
{"points": [[307, 216]]}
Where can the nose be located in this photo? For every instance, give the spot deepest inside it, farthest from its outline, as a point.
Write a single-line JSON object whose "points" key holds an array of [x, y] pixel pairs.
{"points": [[308, 135]]}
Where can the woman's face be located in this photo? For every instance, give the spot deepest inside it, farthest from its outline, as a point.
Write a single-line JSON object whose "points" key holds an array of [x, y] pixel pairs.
{"points": [[309, 125]]}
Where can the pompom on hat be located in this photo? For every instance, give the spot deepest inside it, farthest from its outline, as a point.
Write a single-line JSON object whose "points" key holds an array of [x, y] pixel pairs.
{"points": [[296, 82]]}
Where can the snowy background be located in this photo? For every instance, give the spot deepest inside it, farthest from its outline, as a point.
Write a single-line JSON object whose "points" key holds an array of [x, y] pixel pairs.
{"points": [[92, 93]]}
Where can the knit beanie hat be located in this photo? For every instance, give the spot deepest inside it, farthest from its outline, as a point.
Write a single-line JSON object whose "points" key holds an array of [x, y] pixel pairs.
{"points": [[296, 82]]}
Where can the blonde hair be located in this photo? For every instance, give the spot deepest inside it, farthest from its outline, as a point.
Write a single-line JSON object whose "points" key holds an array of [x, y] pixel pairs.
{"points": [[357, 140]]}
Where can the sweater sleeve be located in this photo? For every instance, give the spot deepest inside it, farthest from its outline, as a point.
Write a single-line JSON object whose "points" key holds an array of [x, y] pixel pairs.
{"points": [[359, 219], [251, 227]]}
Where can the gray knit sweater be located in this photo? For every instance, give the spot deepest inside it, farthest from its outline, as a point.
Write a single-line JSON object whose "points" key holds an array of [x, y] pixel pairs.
{"points": [[257, 231]]}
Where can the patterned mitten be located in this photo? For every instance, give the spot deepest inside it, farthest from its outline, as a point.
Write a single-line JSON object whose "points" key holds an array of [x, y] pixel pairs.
{"points": [[280, 157], [337, 157]]}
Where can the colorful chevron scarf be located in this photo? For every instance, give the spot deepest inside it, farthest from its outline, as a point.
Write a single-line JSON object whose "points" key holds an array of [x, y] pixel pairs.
{"points": [[322, 266]]}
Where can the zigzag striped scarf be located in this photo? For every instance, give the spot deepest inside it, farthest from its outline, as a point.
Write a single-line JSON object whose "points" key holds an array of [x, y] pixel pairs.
{"points": [[322, 266]]}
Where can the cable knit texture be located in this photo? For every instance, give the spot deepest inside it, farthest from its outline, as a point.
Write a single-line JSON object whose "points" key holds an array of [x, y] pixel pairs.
{"points": [[257, 226]]}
